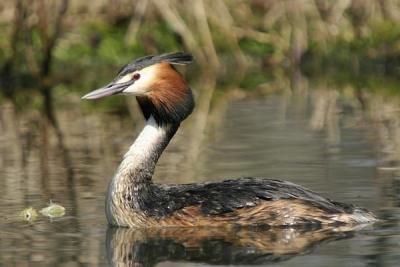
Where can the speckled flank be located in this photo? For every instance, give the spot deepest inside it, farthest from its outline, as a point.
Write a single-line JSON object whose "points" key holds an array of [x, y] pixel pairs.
{"points": [[284, 212], [137, 202]]}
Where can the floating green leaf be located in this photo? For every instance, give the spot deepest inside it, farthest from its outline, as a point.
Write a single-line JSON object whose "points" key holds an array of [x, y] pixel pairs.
{"points": [[29, 214], [53, 210]]}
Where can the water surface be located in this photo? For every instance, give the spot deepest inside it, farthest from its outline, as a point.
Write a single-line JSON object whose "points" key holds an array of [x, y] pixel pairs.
{"points": [[331, 139]]}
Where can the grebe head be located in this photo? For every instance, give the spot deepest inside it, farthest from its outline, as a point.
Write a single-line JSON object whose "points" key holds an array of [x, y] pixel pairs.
{"points": [[160, 89]]}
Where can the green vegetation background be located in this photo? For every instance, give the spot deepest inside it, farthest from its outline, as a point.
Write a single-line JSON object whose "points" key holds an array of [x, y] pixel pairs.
{"points": [[68, 48]]}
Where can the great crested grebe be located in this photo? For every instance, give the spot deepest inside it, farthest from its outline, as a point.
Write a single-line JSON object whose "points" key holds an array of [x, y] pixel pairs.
{"points": [[133, 200]]}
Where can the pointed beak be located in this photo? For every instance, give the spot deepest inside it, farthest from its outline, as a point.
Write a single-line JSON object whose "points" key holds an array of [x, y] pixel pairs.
{"points": [[110, 89]]}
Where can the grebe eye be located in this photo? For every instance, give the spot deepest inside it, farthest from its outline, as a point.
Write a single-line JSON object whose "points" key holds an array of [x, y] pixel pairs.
{"points": [[136, 76]]}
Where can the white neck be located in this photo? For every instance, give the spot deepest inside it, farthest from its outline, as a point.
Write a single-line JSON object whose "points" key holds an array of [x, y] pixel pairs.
{"points": [[143, 154], [133, 176]]}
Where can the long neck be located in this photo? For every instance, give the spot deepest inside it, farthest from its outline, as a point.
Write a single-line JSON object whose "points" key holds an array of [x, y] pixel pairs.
{"points": [[134, 174], [139, 162]]}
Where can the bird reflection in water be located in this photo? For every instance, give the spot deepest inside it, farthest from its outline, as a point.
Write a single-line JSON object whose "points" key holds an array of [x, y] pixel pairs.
{"points": [[219, 246]]}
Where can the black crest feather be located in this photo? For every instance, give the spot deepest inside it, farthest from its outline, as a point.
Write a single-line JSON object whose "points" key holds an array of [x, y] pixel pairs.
{"points": [[179, 58]]}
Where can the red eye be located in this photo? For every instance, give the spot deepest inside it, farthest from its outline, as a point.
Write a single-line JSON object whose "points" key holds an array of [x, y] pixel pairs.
{"points": [[136, 76]]}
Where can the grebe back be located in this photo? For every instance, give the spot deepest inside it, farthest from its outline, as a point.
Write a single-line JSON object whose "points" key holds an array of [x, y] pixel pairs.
{"points": [[133, 200]]}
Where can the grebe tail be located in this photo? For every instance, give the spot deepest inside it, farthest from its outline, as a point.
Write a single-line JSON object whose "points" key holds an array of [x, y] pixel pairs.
{"points": [[133, 200]]}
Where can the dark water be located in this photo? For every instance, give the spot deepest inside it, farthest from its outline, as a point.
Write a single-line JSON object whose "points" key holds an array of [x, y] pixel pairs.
{"points": [[336, 141]]}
